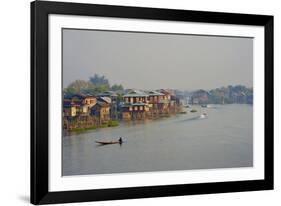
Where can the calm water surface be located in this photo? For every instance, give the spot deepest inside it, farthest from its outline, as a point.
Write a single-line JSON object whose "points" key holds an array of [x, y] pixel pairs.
{"points": [[224, 139]]}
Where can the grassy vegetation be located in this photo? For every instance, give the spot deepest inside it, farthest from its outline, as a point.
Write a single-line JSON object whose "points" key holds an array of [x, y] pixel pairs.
{"points": [[82, 129], [111, 123], [103, 125]]}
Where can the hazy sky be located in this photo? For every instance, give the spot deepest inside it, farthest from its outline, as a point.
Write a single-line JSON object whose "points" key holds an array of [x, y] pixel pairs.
{"points": [[153, 61]]}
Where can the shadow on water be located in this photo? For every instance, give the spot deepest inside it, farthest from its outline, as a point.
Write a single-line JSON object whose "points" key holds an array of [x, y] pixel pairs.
{"points": [[192, 119], [102, 145]]}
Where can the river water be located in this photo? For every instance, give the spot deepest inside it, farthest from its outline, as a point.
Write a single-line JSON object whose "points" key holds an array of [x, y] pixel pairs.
{"points": [[223, 139]]}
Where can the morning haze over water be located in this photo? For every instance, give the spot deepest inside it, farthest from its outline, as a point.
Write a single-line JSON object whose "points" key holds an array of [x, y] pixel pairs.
{"points": [[222, 140], [154, 61], [178, 102]]}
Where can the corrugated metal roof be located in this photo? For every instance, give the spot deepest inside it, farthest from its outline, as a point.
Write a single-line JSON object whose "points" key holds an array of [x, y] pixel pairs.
{"points": [[134, 104], [155, 93], [105, 99], [136, 93], [108, 93]]}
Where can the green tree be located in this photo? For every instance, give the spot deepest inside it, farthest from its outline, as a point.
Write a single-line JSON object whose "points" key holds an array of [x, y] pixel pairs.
{"points": [[99, 80], [96, 84], [117, 87], [78, 86], [69, 91]]}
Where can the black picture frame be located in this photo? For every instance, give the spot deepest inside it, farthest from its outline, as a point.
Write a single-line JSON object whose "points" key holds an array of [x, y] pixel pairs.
{"points": [[40, 108]]}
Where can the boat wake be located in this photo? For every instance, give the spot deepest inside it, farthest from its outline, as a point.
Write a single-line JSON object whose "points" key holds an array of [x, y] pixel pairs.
{"points": [[200, 117]]}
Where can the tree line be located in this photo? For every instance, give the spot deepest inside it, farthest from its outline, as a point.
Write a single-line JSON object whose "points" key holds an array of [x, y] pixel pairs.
{"points": [[95, 85]]}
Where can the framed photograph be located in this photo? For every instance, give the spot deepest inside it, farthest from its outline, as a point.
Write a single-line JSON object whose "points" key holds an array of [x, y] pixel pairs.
{"points": [[130, 102]]}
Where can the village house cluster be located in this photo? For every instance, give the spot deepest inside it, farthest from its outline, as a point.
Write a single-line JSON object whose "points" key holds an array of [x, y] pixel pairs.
{"points": [[86, 111]]}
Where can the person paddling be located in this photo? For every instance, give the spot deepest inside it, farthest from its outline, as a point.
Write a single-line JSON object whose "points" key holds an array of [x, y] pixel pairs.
{"points": [[120, 140]]}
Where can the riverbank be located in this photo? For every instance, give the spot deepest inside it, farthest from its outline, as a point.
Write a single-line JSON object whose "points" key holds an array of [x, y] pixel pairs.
{"points": [[224, 139], [111, 123], [83, 126]]}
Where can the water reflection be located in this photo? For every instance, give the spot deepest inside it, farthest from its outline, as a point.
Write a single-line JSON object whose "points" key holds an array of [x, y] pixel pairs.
{"points": [[222, 139]]}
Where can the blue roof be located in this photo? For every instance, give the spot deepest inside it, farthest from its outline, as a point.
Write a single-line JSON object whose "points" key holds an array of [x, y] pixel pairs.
{"points": [[155, 93], [136, 93], [108, 93], [82, 95], [133, 104]]}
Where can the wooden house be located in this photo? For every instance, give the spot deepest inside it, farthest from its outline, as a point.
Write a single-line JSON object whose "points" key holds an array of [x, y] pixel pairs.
{"points": [[70, 109], [101, 110], [84, 103], [85, 99], [113, 103], [167, 94], [135, 105], [155, 102], [135, 96]]}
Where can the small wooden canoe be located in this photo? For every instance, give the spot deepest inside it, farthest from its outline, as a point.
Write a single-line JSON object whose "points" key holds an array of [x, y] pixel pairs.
{"points": [[108, 142]]}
